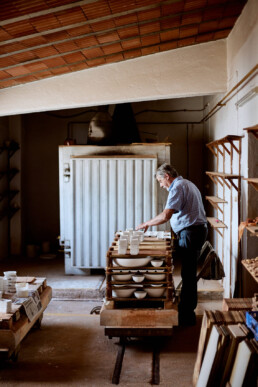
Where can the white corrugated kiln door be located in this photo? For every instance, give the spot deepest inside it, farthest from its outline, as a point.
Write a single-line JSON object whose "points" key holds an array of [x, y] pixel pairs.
{"points": [[108, 194]]}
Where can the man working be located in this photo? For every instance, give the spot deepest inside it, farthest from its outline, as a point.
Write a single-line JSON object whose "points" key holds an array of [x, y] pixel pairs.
{"points": [[184, 209]]}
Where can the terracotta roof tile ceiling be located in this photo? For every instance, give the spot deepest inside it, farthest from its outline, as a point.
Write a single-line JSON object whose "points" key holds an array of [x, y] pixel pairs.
{"points": [[46, 38]]}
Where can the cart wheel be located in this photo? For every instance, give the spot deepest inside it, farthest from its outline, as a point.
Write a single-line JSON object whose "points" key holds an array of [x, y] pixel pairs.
{"points": [[96, 310], [37, 324]]}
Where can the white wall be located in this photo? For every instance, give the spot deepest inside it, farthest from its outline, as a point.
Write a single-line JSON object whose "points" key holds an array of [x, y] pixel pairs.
{"points": [[242, 56], [189, 71]]}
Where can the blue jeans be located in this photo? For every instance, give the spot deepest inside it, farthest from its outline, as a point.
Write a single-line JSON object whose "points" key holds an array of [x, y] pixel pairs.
{"points": [[190, 242]]}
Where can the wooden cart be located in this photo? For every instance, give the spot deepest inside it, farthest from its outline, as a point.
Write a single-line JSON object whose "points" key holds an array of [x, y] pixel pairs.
{"points": [[15, 326], [132, 317]]}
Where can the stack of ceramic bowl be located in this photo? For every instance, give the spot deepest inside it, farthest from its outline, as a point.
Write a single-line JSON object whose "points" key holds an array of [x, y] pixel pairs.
{"points": [[10, 277]]}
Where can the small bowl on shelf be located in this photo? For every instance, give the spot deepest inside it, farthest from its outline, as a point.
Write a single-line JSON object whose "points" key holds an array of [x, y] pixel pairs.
{"points": [[138, 277], [157, 262], [140, 294]]}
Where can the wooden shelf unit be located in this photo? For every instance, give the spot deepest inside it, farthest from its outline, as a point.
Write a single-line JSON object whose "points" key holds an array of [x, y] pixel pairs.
{"points": [[9, 209]]}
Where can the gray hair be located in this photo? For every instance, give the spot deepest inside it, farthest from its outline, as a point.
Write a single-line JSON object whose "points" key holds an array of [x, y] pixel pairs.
{"points": [[166, 169]]}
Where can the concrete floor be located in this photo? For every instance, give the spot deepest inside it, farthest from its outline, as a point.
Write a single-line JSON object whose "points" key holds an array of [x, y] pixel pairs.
{"points": [[71, 348]]}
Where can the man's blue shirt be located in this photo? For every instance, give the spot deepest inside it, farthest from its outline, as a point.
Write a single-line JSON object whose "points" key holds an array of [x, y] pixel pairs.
{"points": [[185, 199]]}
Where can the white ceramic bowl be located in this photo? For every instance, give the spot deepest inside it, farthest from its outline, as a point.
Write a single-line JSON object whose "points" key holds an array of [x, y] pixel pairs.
{"points": [[155, 277], [132, 262], [138, 277], [157, 262], [123, 292], [122, 277], [140, 294], [156, 285], [155, 292]]}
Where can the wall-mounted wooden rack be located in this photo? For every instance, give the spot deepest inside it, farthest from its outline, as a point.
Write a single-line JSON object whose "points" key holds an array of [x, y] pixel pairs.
{"points": [[253, 129], [224, 178], [214, 145], [225, 150], [216, 224], [215, 201]]}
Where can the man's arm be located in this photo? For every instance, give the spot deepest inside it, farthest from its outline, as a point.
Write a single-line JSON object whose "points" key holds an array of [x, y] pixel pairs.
{"points": [[163, 217]]}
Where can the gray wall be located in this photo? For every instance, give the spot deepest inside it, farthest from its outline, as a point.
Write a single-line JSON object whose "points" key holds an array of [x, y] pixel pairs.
{"points": [[42, 134]]}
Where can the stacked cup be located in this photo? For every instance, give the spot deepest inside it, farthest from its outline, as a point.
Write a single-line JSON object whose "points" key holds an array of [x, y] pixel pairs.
{"points": [[122, 245], [10, 277], [22, 289], [2, 285], [134, 245], [5, 306], [139, 234]]}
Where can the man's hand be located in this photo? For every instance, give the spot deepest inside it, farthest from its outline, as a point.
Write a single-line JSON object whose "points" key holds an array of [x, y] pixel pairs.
{"points": [[142, 226]]}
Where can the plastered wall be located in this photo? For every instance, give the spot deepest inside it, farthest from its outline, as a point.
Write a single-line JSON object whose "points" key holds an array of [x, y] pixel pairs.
{"points": [[190, 71], [242, 57]]}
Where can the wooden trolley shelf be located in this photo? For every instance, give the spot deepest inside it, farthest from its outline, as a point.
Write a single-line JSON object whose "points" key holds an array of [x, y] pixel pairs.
{"points": [[162, 308]]}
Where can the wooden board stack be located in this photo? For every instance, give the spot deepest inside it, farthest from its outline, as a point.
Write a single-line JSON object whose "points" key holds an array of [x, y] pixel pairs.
{"points": [[220, 353]]}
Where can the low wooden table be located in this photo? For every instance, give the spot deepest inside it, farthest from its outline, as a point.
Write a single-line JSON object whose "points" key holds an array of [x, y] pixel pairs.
{"points": [[15, 326]]}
